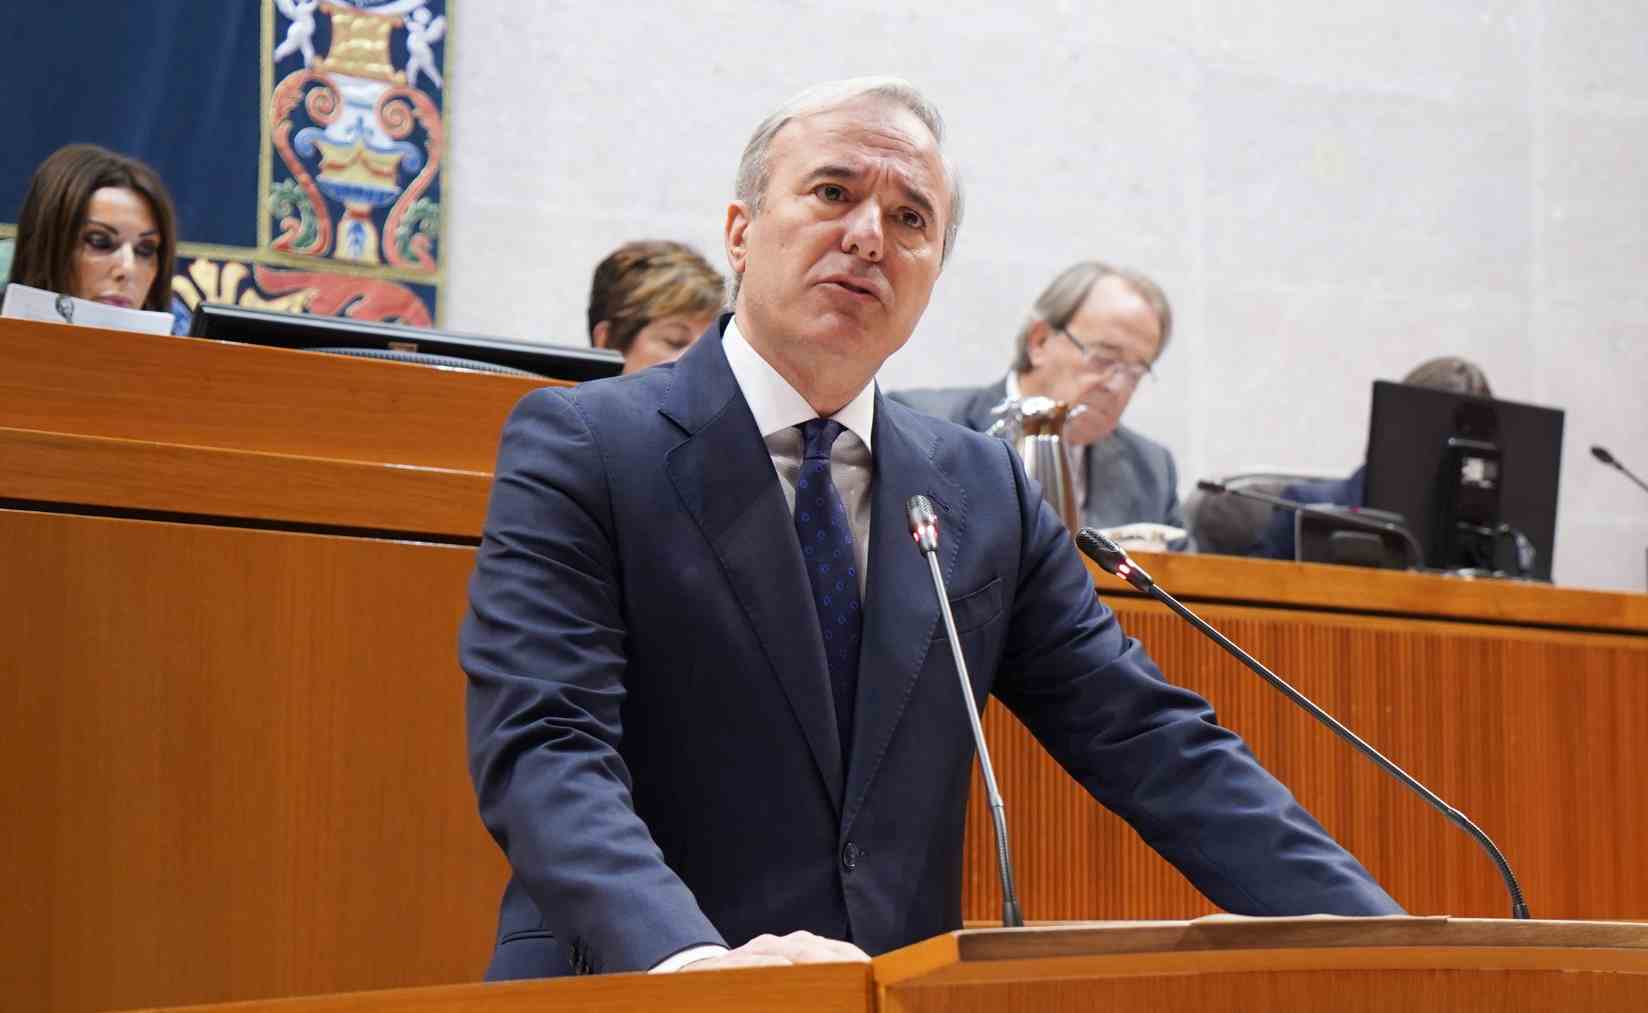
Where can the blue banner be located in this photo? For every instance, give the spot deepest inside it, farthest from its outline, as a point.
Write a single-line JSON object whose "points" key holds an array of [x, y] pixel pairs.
{"points": [[302, 140]]}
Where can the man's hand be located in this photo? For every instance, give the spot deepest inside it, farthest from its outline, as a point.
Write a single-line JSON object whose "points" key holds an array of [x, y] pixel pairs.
{"points": [[796, 948]]}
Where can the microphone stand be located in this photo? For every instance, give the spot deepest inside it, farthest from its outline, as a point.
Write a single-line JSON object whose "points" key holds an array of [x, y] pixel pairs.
{"points": [[924, 529], [1416, 555], [1115, 561], [1602, 454], [1611, 461]]}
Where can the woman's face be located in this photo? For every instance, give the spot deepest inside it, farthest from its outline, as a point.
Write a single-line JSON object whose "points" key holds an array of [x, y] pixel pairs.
{"points": [[664, 339], [118, 251]]}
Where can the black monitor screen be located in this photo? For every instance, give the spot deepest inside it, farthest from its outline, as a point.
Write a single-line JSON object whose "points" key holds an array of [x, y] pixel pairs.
{"points": [[316, 333], [1457, 466]]}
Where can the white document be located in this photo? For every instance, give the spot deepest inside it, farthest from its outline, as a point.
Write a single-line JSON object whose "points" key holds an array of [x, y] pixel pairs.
{"points": [[25, 303], [1144, 536]]}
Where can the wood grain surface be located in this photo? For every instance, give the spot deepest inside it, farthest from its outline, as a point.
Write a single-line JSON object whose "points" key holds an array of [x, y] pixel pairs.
{"points": [[1233, 580], [1379, 983], [189, 391], [236, 766], [1275, 964], [127, 476], [820, 988], [1539, 737]]}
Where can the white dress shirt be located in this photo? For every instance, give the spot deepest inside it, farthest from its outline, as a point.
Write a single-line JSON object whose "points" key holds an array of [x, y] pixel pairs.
{"points": [[778, 409]]}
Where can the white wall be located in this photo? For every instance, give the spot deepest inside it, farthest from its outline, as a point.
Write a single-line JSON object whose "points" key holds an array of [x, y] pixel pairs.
{"points": [[1329, 193]]}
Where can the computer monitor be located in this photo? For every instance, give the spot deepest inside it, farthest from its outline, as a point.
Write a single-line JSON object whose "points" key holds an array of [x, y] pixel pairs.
{"points": [[1470, 474], [302, 331]]}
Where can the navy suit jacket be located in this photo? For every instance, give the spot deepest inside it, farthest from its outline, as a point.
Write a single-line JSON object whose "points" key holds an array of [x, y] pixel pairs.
{"points": [[651, 729], [1130, 477]]}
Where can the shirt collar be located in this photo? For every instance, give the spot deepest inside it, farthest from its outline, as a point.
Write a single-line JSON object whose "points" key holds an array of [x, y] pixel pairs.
{"points": [[775, 404]]}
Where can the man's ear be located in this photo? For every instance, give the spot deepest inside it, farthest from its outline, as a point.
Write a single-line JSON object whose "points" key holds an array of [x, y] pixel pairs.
{"points": [[598, 337], [1035, 343], [736, 234]]}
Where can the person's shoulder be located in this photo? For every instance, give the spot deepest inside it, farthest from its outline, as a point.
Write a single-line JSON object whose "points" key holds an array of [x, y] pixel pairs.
{"points": [[966, 405], [1143, 445], [933, 400], [625, 396], [943, 437], [649, 385]]}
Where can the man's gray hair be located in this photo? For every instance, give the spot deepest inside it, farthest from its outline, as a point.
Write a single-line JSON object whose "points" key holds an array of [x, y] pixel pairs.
{"points": [[755, 169], [1060, 301]]}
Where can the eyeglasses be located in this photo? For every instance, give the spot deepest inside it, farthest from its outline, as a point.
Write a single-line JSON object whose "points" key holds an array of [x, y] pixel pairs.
{"points": [[1108, 365]]}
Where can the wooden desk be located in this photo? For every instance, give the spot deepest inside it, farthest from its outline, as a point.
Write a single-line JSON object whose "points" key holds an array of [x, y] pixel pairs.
{"points": [[1524, 706], [1283, 965], [1279, 965], [233, 718]]}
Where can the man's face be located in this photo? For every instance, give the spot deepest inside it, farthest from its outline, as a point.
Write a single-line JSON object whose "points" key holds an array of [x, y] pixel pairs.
{"points": [[1116, 325], [838, 263]]}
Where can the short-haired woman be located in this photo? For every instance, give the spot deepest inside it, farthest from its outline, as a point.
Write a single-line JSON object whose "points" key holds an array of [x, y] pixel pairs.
{"points": [[651, 299]]}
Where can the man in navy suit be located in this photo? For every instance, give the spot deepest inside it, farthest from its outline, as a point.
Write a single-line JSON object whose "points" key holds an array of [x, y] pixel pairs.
{"points": [[713, 720]]}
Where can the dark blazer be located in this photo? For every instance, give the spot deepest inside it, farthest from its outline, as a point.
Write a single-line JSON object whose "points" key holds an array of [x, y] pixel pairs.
{"points": [[651, 729], [1130, 477], [1276, 541]]}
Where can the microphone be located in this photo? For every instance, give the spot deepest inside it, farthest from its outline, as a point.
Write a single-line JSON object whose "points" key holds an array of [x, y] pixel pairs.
{"points": [[924, 529], [1601, 454], [1348, 517], [1114, 560]]}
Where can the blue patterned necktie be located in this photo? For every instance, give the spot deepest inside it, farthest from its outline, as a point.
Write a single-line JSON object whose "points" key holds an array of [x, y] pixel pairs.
{"points": [[832, 568]]}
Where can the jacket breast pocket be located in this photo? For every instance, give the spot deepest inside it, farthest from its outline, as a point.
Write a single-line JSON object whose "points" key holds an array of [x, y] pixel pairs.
{"points": [[975, 608]]}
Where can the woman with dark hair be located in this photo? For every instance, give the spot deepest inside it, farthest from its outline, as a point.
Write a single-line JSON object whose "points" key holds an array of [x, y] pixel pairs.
{"points": [[651, 299], [97, 225]]}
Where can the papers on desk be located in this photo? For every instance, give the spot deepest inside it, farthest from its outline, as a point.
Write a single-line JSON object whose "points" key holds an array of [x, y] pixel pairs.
{"points": [[25, 303], [1145, 536]]}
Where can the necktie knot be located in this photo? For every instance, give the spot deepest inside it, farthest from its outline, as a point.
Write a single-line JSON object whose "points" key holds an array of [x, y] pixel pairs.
{"points": [[819, 436]]}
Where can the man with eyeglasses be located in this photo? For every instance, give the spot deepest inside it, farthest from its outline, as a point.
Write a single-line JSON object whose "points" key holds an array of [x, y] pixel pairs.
{"points": [[1091, 339]]}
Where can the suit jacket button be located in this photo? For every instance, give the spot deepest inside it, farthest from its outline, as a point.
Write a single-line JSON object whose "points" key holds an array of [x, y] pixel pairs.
{"points": [[849, 856]]}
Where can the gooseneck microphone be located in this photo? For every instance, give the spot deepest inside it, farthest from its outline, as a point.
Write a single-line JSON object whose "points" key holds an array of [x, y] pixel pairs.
{"points": [[1114, 560], [1601, 454], [1348, 517], [924, 529]]}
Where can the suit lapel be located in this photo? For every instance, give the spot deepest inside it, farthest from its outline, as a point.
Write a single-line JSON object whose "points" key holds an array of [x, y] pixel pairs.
{"points": [[901, 610], [723, 474]]}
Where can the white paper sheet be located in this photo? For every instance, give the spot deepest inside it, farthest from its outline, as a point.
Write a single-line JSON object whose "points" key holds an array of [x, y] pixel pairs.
{"points": [[25, 303]]}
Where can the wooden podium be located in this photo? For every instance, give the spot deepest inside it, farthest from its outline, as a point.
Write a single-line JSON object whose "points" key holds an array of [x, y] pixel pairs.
{"points": [[1277, 965], [1225, 965], [233, 716]]}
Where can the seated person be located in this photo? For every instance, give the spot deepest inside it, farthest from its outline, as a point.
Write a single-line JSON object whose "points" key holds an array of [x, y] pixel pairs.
{"points": [[1446, 373], [97, 225], [1091, 337], [651, 300]]}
